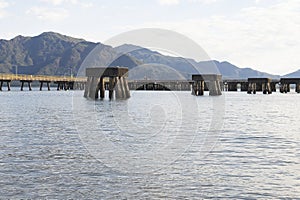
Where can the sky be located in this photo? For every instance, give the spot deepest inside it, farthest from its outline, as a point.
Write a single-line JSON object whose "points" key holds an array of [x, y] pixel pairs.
{"points": [[261, 34]]}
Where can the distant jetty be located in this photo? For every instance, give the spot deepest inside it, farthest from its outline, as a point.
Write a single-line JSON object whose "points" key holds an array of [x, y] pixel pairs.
{"points": [[197, 85], [63, 82]]}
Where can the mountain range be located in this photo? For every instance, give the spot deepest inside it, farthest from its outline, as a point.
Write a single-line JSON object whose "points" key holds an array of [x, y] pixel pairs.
{"points": [[51, 53]]}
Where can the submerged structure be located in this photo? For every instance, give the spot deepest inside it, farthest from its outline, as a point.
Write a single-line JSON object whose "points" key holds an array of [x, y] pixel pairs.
{"points": [[112, 78]]}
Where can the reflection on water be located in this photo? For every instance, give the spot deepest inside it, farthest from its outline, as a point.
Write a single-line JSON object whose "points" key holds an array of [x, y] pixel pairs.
{"points": [[154, 145]]}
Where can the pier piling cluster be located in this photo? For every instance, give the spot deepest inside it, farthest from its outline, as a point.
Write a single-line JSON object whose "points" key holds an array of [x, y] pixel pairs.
{"points": [[114, 78], [211, 81], [285, 84], [264, 85]]}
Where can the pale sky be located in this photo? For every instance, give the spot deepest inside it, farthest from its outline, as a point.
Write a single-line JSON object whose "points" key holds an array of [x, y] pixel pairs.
{"points": [[261, 34]]}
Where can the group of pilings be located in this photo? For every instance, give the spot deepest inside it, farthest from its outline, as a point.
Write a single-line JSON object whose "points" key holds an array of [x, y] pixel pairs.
{"points": [[285, 88], [117, 83], [264, 83], [211, 81], [285, 84]]}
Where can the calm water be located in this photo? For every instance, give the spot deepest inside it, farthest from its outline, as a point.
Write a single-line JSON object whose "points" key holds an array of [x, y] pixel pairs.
{"points": [[157, 145]]}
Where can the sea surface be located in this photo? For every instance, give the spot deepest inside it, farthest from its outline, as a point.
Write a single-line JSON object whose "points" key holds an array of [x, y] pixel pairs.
{"points": [[155, 145]]}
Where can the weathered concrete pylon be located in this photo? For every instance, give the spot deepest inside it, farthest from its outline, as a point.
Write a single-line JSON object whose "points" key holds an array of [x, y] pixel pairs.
{"points": [[212, 81], [259, 84], [117, 82], [285, 84]]}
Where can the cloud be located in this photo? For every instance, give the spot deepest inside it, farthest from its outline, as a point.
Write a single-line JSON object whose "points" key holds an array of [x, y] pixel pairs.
{"points": [[204, 1], [44, 13], [176, 2], [3, 5], [168, 2], [265, 38], [73, 2]]}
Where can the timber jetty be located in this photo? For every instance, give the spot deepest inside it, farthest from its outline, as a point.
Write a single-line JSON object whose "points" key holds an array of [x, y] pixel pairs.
{"points": [[63, 82]]}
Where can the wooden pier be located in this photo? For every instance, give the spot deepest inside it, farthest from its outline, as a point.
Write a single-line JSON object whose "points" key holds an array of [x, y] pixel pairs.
{"points": [[63, 82]]}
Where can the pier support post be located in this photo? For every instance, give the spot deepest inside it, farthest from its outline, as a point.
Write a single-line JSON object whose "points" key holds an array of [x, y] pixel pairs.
{"points": [[298, 88], [87, 87], [266, 88], [273, 86], [111, 87], [1, 83], [41, 85], [101, 88], [22, 85], [29, 85], [119, 89], [8, 85], [200, 88], [126, 87], [214, 88]]}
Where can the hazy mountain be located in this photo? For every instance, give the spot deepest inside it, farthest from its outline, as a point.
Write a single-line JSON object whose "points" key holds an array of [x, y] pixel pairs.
{"points": [[231, 71], [189, 66], [295, 74], [55, 54]]}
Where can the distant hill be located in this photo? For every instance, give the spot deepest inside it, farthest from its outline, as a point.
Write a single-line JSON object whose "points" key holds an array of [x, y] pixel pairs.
{"points": [[231, 71], [189, 66], [295, 74], [54, 54]]}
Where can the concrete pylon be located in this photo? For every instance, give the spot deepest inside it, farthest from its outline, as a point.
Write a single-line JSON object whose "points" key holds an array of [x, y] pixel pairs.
{"points": [[213, 82], [117, 86], [259, 84]]}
